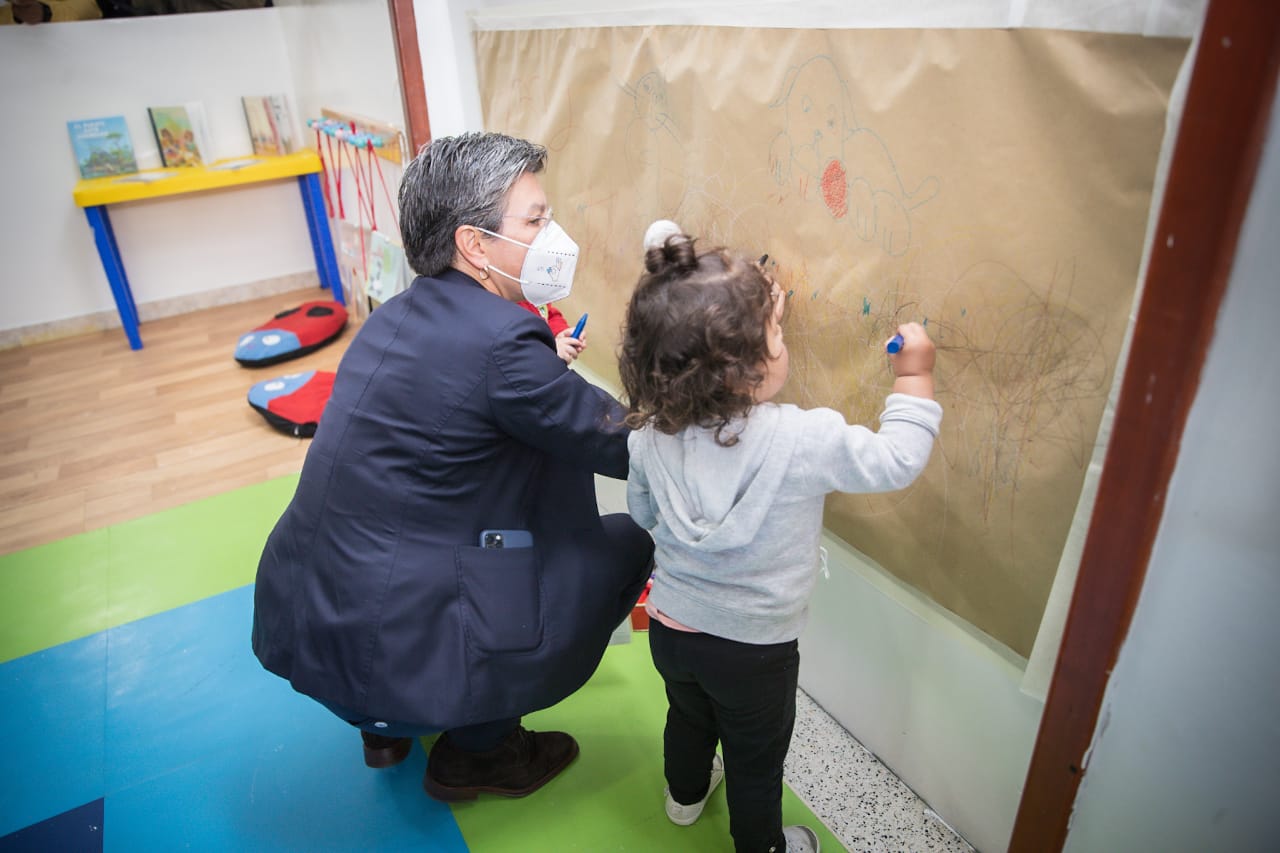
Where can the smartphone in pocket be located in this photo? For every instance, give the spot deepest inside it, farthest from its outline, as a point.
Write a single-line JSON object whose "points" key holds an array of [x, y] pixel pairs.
{"points": [[506, 539]]}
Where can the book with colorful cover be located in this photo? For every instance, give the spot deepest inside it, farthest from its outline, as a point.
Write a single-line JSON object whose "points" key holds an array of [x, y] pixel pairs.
{"points": [[200, 126], [270, 124], [102, 147], [175, 136], [261, 132], [278, 107]]}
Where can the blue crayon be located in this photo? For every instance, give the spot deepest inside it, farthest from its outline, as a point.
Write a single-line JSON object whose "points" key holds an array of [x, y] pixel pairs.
{"points": [[577, 330], [894, 345]]}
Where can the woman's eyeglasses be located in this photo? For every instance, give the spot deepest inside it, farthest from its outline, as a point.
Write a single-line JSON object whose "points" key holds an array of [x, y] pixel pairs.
{"points": [[538, 222]]}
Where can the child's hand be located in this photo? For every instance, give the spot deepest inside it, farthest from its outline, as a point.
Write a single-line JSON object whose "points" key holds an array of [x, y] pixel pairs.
{"points": [[913, 364], [568, 347]]}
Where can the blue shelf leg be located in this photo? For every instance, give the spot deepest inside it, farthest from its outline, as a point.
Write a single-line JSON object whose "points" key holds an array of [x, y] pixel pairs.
{"points": [[321, 241], [128, 288], [105, 239], [312, 225]]}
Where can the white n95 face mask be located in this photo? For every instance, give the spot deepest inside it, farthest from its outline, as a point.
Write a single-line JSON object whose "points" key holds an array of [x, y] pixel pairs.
{"points": [[547, 273]]}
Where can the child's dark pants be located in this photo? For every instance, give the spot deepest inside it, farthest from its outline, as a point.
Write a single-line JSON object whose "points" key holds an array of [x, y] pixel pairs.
{"points": [[743, 695]]}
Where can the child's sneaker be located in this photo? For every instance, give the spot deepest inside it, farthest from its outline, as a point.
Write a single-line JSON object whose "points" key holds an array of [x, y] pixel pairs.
{"points": [[684, 815], [801, 839]]}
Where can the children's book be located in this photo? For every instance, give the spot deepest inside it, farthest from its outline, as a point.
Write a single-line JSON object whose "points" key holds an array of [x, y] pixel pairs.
{"points": [[261, 132], [278, 106], [102, 147], [386, 267], [352, 244], [200, 127], [270, 124], [175, 136]]}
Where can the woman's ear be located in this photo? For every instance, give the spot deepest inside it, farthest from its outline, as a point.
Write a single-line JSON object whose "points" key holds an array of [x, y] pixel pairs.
{"points": [[468, 242]]}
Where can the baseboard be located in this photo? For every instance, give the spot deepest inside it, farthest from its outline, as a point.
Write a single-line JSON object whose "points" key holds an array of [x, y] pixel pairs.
{"points": [[158, 309]]}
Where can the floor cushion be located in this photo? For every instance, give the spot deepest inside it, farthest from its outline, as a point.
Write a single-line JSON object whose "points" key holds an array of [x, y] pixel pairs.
{"points": [[293, 403], [292, 333]]}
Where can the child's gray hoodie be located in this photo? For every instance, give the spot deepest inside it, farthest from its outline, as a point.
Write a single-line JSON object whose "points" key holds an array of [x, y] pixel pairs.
{"points": [[737, 528]]}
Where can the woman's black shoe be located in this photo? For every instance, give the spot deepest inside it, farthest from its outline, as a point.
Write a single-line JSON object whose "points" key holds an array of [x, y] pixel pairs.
{"points": [[522, 764], [382, 751]]}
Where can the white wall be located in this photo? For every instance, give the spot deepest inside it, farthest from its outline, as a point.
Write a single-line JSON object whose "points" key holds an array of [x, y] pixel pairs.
{"points": [[179, 247], [343, 57], [170, 248], [1187, 752], [448, 66]]}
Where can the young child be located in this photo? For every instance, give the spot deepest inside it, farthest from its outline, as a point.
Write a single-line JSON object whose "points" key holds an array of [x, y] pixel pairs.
{"points": [[567, 346], [732, 487]]}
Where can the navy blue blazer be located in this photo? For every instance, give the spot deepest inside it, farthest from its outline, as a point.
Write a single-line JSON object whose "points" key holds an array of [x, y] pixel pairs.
{"points": [[451, 413]]}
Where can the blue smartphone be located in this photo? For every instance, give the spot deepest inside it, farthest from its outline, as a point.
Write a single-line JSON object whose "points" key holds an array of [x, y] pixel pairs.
{"points": [[506, 539]]}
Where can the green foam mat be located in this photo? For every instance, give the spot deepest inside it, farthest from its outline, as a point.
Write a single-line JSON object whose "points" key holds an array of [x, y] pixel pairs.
{"points": [[611, 798], [83, 584]]}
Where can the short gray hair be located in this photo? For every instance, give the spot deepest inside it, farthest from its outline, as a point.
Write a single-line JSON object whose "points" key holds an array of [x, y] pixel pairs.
{"points": [[459, 180]]}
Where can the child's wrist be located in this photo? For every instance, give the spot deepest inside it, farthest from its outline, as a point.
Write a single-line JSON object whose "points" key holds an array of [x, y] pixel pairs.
{"points": [[915, 385]]}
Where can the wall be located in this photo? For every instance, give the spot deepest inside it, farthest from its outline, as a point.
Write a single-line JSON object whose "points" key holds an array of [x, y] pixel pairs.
{"points": [[343, 57], [1187, 752], [183, 251], [448, 66]]}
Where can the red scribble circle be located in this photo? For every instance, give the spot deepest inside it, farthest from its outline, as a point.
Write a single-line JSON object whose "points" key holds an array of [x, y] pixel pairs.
{"points": [[835, 189]]}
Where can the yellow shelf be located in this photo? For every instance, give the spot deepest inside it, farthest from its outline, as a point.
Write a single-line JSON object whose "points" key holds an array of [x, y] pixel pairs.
{"points": [[117, 188]]}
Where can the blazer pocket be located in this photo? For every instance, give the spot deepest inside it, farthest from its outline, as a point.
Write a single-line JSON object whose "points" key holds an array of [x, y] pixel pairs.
{"points": [[501, 594]]}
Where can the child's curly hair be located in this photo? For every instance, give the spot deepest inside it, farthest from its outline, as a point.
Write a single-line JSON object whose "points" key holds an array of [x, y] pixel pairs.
{"points": [[695, 340]]}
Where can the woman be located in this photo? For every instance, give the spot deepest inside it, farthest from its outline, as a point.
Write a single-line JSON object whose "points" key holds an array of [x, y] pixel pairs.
{"points": [[452, 417]]}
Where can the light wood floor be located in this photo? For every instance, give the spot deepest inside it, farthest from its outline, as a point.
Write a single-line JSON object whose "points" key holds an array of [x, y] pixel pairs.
{"points": [[93, 433]]}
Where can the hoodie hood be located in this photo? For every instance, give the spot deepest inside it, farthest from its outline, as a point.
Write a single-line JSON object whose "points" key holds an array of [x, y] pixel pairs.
{"points": [[714, 497]]}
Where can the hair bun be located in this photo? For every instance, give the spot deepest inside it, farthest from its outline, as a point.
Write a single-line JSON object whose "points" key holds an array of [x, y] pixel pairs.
{"points": [[668, 249], [657, 233]]}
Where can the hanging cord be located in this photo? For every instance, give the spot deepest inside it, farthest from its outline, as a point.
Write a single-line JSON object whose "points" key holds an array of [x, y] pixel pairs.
{"points": [[337, 176], [324, 174], [364, 177], [360, 205], [391, 202], [363, 200]]}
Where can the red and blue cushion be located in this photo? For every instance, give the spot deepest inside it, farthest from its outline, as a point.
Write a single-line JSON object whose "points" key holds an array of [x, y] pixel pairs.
{"points": [[292, 333], [293, 404]]}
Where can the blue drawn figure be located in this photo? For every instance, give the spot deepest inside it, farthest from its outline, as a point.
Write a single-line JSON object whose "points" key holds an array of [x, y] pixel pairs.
{"points": [[822, 146]]}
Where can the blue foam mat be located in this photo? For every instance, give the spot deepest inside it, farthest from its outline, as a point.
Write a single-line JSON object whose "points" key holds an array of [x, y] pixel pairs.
{"points": [[191, 744]]}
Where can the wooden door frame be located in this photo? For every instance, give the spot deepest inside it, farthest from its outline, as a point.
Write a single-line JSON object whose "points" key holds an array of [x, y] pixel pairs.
{"points": [[1219, 143], [413, 92]]}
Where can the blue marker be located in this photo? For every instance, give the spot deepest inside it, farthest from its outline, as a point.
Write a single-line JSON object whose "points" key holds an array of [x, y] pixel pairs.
{"points": [[894, 345], [577, 330]]}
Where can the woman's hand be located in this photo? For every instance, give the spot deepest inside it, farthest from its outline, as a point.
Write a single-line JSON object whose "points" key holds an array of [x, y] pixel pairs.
{"points": [[568, 347]]}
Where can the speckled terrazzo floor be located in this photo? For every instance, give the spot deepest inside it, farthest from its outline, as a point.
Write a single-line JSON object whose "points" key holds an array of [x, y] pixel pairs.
{"points": [[858, 798]]}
